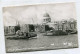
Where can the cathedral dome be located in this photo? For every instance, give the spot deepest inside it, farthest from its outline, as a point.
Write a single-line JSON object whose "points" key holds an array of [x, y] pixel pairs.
{"points": [[46, 15]]}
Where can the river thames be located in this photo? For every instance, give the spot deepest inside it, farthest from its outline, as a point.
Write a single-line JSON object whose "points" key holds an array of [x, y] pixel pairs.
{"points": [[41, 43]]}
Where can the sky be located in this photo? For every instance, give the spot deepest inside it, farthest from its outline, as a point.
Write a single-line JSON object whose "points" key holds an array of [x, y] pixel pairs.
{"points": [[34, 14]]}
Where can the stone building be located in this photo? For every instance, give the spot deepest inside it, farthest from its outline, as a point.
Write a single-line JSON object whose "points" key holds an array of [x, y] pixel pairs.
{"points": [[8, 30], [44, 26]]}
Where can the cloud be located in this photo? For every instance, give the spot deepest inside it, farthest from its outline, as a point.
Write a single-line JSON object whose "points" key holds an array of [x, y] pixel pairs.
{"points": [[8, 20], [34, 13]]}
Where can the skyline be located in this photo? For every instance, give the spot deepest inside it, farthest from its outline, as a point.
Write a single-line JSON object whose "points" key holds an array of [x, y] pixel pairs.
{"points": [[34, 13]]}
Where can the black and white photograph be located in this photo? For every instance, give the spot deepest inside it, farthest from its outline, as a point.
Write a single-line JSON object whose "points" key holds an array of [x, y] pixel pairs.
{"points": [[40, 27]]}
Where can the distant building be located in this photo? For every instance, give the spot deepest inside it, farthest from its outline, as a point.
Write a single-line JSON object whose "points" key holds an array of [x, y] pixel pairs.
{"points": [[46, 18], [28, 28], [44, 26], [9, 30]]}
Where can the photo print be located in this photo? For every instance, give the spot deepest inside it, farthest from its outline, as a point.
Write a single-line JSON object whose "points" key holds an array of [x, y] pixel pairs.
{"points": [[40, 27]]}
